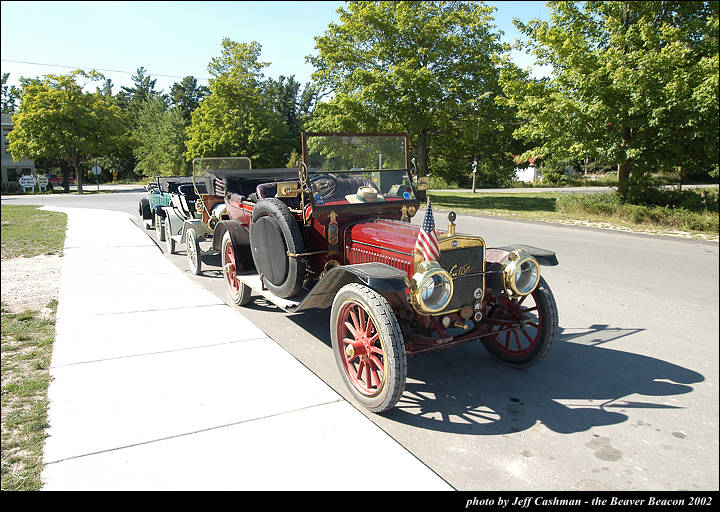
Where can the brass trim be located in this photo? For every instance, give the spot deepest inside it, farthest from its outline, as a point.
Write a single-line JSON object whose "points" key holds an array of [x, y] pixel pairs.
{"points": [[426, 270], [300, 255], [515, 260], [288, 189]]}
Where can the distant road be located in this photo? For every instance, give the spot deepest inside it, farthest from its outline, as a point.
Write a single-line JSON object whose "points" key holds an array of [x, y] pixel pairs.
{"points": [[566, 190]]}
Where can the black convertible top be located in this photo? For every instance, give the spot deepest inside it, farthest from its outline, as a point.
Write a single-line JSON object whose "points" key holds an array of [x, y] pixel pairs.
{"points": [[244, 181]]}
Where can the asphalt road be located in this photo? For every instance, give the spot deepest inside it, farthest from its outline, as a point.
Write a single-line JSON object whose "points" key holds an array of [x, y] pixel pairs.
{"points": [[628, 400]]}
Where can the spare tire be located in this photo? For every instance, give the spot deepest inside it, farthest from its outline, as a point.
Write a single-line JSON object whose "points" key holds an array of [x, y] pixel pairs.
{"points": [[273, 233]]}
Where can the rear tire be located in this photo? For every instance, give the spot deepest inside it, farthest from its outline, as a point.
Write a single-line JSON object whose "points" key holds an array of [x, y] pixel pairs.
{"points": [[159, 228], [192, 247], [240, 294], [169, 242]]}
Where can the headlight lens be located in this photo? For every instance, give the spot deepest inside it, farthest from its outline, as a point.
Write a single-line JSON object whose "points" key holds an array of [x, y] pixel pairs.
{"points": [[431, 288], [521, 273]]}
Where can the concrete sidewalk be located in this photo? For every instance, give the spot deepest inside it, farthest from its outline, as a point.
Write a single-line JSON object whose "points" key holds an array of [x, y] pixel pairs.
{"points": [[158, 385]]}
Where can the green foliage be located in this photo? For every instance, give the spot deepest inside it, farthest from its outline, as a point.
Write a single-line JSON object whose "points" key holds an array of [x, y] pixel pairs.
{"points": [[10, 96], [633, 84], [429, 69], [187, 95], [57, 120], [237, 118], [692, 210], [160, 140]]}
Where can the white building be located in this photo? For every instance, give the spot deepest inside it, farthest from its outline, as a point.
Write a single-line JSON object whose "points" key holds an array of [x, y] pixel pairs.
{"points": [[12, 170], [527, 174]]}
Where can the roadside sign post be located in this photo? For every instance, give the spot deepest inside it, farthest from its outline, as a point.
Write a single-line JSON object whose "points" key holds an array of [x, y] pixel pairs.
{"points": [[474, 173], [27, 181], [42, 182], [96, 171]]}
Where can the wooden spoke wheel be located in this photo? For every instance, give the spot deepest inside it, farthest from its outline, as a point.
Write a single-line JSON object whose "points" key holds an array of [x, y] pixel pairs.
{"points": [[239, 293], [369, 347], [526, 327]]}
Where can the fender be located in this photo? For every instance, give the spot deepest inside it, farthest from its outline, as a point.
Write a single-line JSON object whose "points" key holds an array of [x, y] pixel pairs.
{"points": [[240, 237], [386, 280], [543, 256]]}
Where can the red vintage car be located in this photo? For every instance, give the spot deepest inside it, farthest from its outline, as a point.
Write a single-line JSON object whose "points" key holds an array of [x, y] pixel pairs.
{"points": [[336, 233]]}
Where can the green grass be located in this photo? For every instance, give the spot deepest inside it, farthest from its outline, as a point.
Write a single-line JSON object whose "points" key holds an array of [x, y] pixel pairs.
{"points": [[689, 214], [27, 340], [28, 232], [26, 347]]}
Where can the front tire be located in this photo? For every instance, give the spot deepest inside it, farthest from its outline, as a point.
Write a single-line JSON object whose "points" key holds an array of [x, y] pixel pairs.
{"points": [[368, 346], [529, 344]]}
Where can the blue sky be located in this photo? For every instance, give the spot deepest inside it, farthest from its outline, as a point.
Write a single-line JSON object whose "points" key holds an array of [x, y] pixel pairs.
{"points": [[177, 38]]}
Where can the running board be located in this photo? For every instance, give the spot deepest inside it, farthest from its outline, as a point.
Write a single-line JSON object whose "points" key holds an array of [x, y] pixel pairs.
{"points": [[287, 305]]}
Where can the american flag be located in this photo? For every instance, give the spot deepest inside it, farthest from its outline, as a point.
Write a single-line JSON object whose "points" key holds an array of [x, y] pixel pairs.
{"points": [[427, 241]]}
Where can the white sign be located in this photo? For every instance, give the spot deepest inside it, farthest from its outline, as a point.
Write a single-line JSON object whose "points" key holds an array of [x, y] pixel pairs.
{"points": [[27, 181], [42, 182], [96, 169]]}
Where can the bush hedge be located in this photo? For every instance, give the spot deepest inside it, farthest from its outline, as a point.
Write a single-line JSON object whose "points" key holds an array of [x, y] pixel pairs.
{"points": [[690, 209]]}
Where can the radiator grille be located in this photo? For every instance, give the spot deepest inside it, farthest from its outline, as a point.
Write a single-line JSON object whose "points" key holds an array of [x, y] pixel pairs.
{"points": [[362, 254], [456, 261]]}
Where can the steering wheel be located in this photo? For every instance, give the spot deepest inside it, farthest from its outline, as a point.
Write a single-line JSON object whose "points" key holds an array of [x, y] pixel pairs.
{"points": [[325, 184]]}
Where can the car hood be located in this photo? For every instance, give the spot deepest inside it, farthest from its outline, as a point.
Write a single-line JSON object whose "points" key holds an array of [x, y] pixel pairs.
{"points": [[392, 235]]}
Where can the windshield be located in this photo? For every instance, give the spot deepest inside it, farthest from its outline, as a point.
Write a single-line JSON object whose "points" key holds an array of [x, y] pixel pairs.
{"points": [[357, 169]]}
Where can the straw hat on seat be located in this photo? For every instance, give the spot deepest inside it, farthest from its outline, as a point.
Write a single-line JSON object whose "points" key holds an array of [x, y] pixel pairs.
{"points": [[365, 194]]}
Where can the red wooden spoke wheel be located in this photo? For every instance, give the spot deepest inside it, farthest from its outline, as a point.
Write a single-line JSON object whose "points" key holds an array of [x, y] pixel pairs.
{"points": [[362, 353], [369, 347], [527, 327], [238, 291]]}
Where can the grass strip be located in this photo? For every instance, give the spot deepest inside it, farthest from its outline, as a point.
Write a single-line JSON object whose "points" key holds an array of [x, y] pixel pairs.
{"points": [[29, 232], [694, 216], [26, 347]]}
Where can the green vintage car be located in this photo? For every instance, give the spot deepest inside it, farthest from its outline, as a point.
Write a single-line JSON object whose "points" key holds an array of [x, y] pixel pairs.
{"points": [[158, 195]]}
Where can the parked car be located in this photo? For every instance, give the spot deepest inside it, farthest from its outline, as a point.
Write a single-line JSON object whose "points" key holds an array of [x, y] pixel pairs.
{"points": [[57, 181], [159, 196], [196, 206], [336, 234]]}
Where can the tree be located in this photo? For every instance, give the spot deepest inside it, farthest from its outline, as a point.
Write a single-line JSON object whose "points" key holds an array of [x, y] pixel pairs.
{"points": [[238, 118], [57, 120], [426, 68], [187, 95], [143, 89], [10, 95], [160, 140], [633, 83]]}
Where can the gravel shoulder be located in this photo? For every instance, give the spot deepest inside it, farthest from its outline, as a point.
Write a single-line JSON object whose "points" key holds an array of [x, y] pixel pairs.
{"points": [[30, 283]]}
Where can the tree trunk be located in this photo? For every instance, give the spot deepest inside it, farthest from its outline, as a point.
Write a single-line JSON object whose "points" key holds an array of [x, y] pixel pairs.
{"points": [[66, 175], [422, 153], [623, 169], [680, 177], [78, 178]]}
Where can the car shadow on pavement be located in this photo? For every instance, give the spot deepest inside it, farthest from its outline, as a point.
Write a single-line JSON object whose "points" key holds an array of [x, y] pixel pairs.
{"points": [[580, 385]]}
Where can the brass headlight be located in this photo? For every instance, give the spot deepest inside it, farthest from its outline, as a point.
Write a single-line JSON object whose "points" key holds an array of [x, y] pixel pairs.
{"points": [[521, 274], [431, 287]]}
